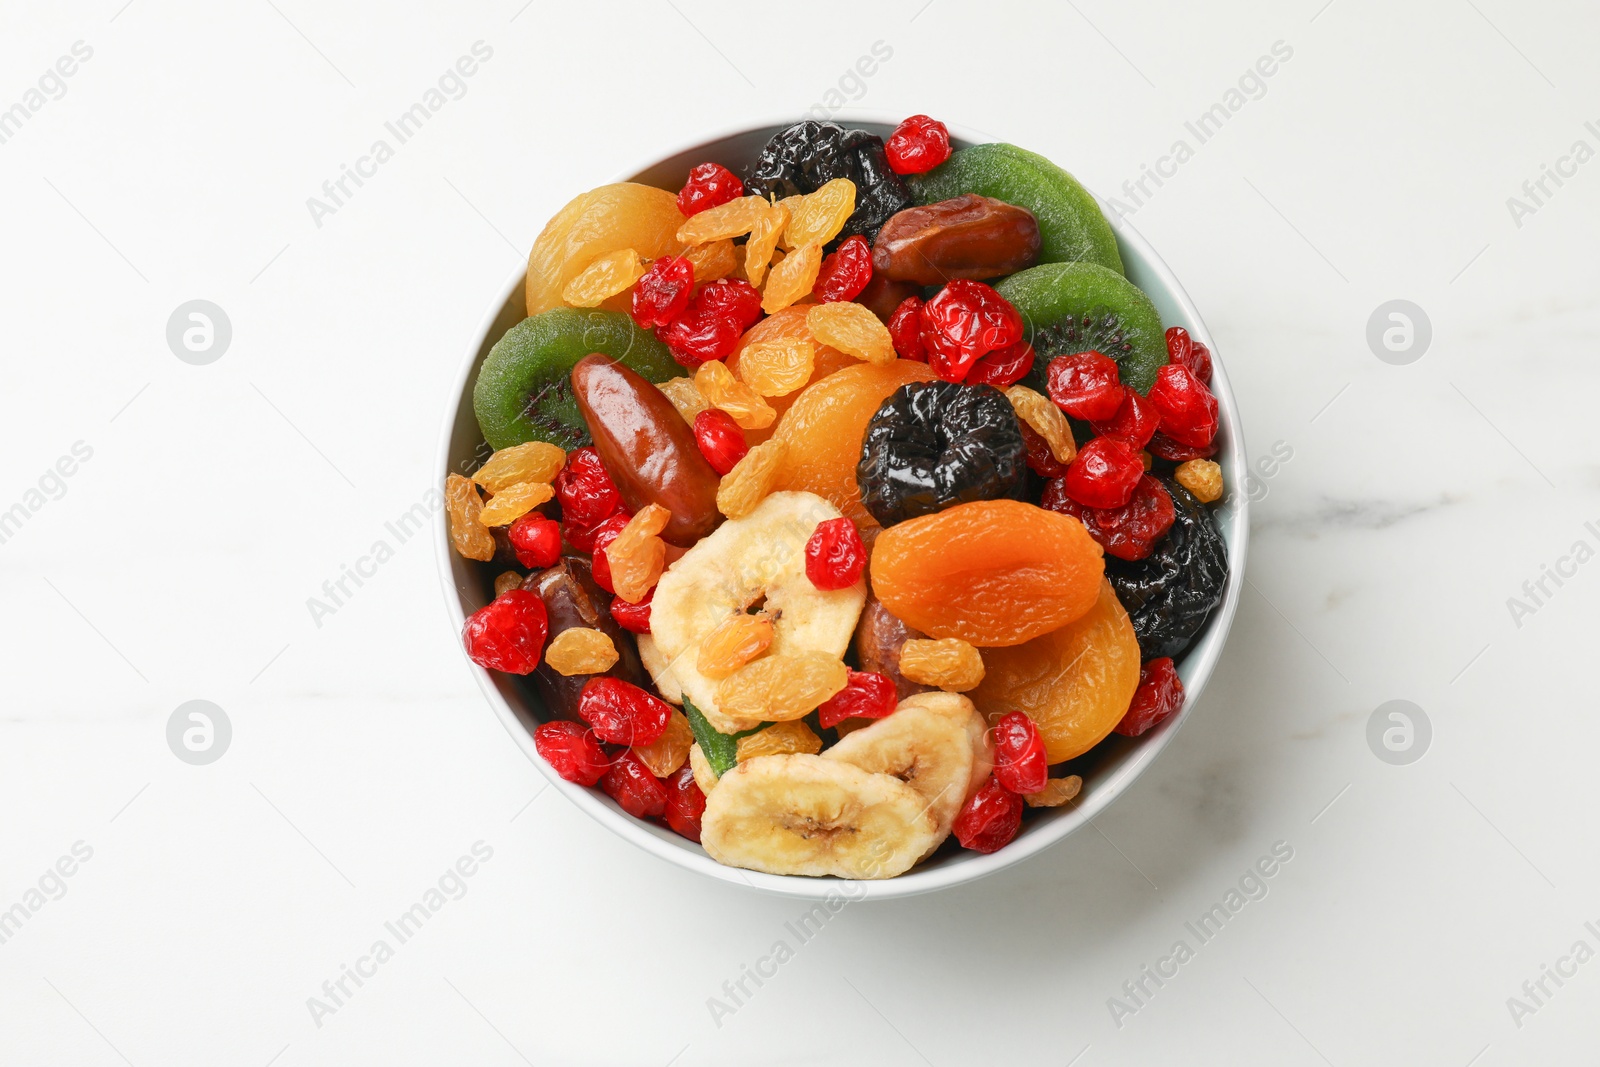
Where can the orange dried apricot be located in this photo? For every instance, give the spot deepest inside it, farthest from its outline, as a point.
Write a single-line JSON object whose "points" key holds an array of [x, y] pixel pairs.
{"points": [[1075, 683], [603, 220], [992, 572]]}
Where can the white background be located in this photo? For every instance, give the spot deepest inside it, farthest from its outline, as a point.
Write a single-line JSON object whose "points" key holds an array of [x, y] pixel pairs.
{"points": [[178, 563]]}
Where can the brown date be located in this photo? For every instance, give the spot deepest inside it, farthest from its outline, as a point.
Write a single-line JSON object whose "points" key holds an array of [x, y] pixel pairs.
{"points": [[879, 636], [969, 236], [882, 296], [571, 598], [647, 448]]}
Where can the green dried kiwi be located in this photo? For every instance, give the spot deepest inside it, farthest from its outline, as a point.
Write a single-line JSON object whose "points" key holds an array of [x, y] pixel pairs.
{"points": [[524, 388], [1072, 227], [1081, 307]]}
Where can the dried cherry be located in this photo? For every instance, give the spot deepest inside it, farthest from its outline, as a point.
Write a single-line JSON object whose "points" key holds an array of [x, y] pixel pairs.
{"points": [[685, 803], [918, 145], [962, 323], [1085, 385], [635, 618], [663, 291], [1103, 473], [867, 695], [1128, 532], [905, 328], [1163, 447], [587, 496], [622, 713], [1160, 693], [601, 538], [1019, 755], [1186, 351], [508, 633], [720, 439], [536, 541], [1170, 593], [990, 818], [835, 556], [1188, 410], [1135, 421], [1004, 368], [572, 750], [636, 791], [844, 272], [709, 185]]}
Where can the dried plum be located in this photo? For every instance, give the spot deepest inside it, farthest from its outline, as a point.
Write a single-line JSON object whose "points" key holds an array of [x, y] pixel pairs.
{"points": [[932, 445], [1170, 593], [802, 158]]}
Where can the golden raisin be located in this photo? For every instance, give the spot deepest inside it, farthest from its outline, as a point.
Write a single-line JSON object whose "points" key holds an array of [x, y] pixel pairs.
{"points": [[513, 502], [718, 385], [1202, 477], [1056, 792], [751, 479], [949, 663], [777, 368], [733, 219], [781, 687], [668, 752], [607, 276], [852, 329], [792, 279], [763, 242], [507, 581], [816, 218], [779, 739], [638, 556], [685, 397], [732, 643], [534, 461], [580, 650], [467, 530], [1044, 419], [704, 776], [712, 261]]}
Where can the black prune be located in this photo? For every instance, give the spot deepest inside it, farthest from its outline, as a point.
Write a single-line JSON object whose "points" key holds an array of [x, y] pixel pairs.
{"points": [[807, 155], [1171, 592], [932, 445]]}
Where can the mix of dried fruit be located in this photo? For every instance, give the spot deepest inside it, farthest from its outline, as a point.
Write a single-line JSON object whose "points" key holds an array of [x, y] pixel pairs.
{"points": [[840, 507]]}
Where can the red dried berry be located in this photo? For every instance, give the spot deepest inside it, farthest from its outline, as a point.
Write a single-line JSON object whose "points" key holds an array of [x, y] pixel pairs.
{"points": [[990, 818], [1004, 368], [1160, 693], [845, 271], [1104, 473], [1187, 352], [905, 329], [1085, 385], [720, 439], [1019, 757], [685, 803], [662, 293], [713, 322], [1164, 447], [1128, 532], [635, 618], [603, 535], [709, 185], [622, 713], [536, 540], [835, 555], [636, 791], [867, 695], [730, 298], [508, 633], [965, 321], [572, 750], [1040, 456], [1135, 421], [587, 496], [1188, 410], [917, 145]]}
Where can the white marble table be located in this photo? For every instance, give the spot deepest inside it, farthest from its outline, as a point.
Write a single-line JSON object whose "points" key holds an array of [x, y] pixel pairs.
{"points": [[1410, 507]]}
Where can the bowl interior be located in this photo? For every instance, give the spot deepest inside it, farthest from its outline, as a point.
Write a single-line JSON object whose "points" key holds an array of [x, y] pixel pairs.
{"points": [[1106, 771]]}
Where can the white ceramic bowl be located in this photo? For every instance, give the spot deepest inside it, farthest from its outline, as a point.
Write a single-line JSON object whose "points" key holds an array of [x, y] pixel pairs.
{"points": [[1114, 764]]}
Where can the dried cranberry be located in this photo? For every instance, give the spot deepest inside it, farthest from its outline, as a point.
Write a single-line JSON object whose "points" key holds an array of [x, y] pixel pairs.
{"points": [[1164, 447], [845, 271], [1085, 385], [1160, 693], [1135, 421], [918, 145], [709, 185], [731, 298], [1188, 410], [867, 695], [965, 321], [636, 791], [1004, 368], [990, 817], [587, 495], [685, 803], [536, 540], [711, 325], [572, 750], [720, 439], [508, 633], [1103, 474], [835, 555], [1187, 352], [622, 713], [635, 618], [662, 293], [905, 329], [1019, 758], [1128, 532], [602, 536], [1041, 458]]}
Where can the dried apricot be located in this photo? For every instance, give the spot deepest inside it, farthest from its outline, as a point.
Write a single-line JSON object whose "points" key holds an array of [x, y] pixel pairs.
{"points": [[949, 663], [580, 650], [607, 276], [467, 531], [670, 751], [752, 479], [816, 218], [1075, 683], [533, 461], [711, 261], [722, 390], [781, 687], [853, 329], [1056, 792], [603, 220], [763, 242], [637, 556], [732, 643], [515, 501], [793, 279], [733, 219], [779, 739], [777, 368], [1044, 419], [992, 572], [685, 397]]}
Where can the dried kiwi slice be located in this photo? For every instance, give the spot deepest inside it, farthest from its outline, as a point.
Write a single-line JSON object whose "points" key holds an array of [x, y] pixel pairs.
{"points": [[524, 389], [1079, 307]]}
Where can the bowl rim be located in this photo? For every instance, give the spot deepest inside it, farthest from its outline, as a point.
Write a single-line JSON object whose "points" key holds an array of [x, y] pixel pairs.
{"points": [[1198, 664]]}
